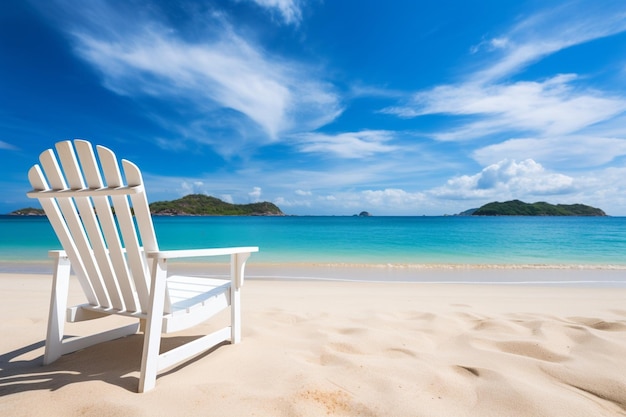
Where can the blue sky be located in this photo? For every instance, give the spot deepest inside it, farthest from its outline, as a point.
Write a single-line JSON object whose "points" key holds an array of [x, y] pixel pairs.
{"points": [[326, 107]]}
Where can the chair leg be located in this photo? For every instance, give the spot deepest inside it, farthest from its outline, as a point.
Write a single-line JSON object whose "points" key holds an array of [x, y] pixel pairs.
{"points": [[154, 326], [237, 270], [58, 305], [235, 315]]}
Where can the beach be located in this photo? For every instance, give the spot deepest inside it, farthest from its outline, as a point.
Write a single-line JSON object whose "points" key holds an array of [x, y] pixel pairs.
{"points": [[315, 348]]}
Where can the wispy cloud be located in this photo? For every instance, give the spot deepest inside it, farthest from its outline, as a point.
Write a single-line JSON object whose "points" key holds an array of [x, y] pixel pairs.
{"points": [[490, 45], [550, 31], [219, 75], [289, 10], [7, 146], [255, 194], [562, 152], [557, 119], [550, 107], [347, 145], [555, 105]]}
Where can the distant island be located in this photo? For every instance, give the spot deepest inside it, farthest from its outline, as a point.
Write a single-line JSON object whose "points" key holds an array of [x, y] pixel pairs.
{"points": [[204, 205], [28, 211], [519, 208], [192, 205]]}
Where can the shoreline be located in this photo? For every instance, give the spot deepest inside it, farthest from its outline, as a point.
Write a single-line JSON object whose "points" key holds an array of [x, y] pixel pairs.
{"points": [[47, 262], [523, 275], [489, 274]]}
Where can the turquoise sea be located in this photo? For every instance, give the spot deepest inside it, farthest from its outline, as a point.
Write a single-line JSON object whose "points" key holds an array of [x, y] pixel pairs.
{"points": [[456, 240]]}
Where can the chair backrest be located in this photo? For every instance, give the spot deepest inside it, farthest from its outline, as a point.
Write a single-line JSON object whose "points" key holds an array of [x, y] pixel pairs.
{"points": [[91, 206]]}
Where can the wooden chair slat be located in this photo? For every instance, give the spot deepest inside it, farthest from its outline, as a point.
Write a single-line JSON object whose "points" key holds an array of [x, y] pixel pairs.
{"points": [[93, 211], [87, 270], [120, 273], [135, 256], [98, 258], [53, 212]]}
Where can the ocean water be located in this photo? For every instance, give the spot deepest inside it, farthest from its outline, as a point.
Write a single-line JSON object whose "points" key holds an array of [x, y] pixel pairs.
{"points": [[407, 241]]}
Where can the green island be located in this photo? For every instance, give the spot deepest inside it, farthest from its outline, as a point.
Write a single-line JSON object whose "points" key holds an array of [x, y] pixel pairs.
{"points": [[192, 205], [204, 205], [519, 208], [28, 211]]}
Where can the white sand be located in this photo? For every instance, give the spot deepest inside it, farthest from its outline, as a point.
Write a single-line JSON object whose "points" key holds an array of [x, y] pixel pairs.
{"points": [[338, 348]]}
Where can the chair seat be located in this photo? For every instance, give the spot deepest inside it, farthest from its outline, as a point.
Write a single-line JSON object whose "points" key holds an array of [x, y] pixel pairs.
{"points": [[188, 291], [193, 300]]}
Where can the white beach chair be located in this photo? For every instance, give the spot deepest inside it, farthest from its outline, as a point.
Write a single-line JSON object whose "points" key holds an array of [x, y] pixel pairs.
{"points": [[114, 255]]}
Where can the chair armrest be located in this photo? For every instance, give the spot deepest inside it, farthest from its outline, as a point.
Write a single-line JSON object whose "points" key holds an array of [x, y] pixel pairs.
{"points": [[56, 254], [237, 262], [191, 253]]}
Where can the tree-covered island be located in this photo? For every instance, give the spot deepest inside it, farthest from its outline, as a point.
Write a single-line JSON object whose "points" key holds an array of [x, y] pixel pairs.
{"points": [[519, 208], [204, 205], [192, 205]]}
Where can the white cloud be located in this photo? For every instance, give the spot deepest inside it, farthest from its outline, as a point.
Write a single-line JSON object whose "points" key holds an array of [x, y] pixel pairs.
{"points": [[227, 198], [347, 145], [204, 76], [555, 120], [490, 45], [526, 180], [391, 197], [605, 189], [170, 144], [255, 194], [377, 201], [229, 73], [545, 33], [291, 203], [499, 43], [191, 187], [506, 180], [569, 151], [289, 9], [551, 107], [8, 146]]}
